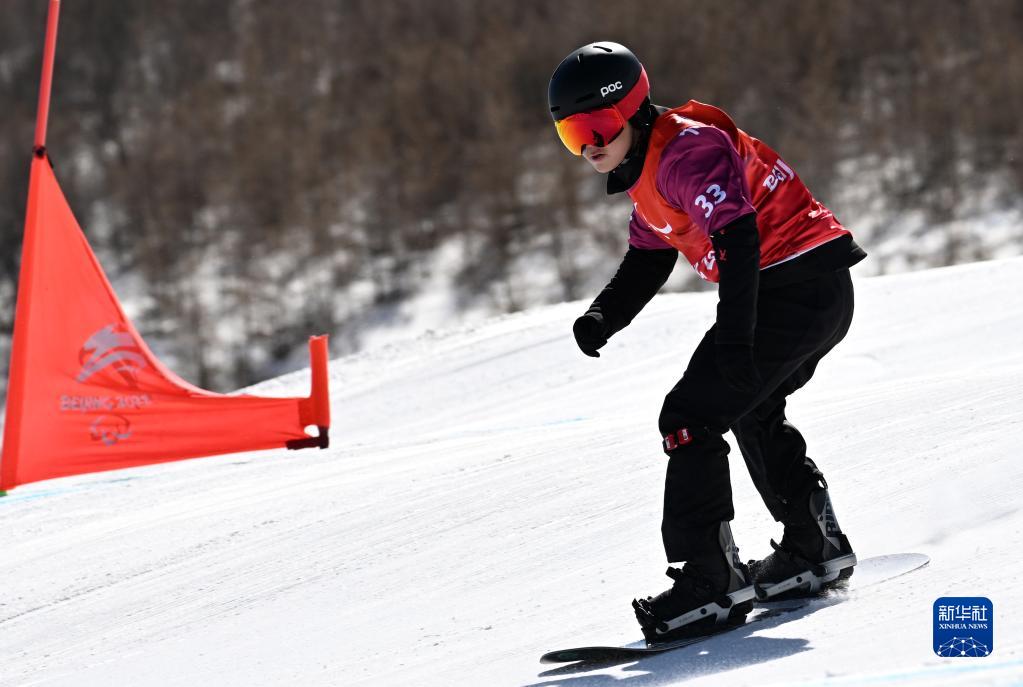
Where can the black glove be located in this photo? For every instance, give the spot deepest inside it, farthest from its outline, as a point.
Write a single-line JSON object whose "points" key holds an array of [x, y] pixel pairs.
{"points": [[735, 361], [590, 333]]}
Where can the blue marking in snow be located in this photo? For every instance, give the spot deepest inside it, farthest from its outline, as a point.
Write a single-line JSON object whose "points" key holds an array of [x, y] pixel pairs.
{"points": [[15, 497]]}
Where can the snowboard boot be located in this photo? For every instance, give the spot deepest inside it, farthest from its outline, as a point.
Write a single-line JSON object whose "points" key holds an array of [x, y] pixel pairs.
{"points": [[711, 593], [813, 555]]}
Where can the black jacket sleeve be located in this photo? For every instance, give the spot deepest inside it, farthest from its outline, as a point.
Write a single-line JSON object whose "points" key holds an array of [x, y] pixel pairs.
{"points": [[641, 274], [737, 247]]}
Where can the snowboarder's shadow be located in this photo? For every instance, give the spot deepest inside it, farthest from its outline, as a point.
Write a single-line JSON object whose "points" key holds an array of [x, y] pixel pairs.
{"points": [[713, 655]]}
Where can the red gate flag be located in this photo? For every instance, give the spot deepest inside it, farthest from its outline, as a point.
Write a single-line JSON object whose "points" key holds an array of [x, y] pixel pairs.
{"points": [[85, 392]]}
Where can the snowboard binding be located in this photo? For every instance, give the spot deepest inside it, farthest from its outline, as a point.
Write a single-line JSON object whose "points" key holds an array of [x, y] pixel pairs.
{"points": [[814, 554], [711, 593], [721, 614], [802, 577]]}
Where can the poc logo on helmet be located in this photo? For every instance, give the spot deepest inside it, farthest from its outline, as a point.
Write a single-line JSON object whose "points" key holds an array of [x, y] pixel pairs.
{"points": [[610, 88]]}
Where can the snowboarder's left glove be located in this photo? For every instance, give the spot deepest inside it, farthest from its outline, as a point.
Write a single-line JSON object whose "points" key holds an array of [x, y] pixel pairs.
{"points": [[590, 333], [735, 361]]}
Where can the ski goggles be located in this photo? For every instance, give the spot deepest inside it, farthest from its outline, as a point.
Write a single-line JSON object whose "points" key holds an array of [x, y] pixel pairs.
{"points": [[593, 128], [601, 126]]}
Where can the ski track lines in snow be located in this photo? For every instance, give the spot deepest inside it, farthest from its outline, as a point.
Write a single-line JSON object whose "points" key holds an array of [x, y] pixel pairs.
{"points": [[493, 494]]}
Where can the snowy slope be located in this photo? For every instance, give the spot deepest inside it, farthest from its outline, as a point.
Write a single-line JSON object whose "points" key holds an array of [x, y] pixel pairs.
{"points": [[493, 494]]}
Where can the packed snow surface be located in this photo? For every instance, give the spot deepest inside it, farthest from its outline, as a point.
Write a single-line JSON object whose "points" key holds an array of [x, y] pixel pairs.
{"points": [[492, 494]]}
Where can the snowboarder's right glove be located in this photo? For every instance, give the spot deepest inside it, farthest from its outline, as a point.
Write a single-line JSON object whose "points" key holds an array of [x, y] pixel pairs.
{"points": [[590, 333]]}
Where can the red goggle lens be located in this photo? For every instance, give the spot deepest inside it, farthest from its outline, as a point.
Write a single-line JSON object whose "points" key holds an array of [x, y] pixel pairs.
{"points": [[593, 128]]}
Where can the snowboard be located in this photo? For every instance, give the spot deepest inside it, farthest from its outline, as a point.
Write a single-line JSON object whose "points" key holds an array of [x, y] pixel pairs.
{"points": [[869, 571]]}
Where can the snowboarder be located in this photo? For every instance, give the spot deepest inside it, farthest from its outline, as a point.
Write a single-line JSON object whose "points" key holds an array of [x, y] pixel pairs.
{"points": [[742, 217]]}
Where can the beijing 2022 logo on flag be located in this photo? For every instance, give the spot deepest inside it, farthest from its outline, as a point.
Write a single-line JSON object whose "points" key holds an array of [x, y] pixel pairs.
{"points": [[963, 626], [113, 347]]}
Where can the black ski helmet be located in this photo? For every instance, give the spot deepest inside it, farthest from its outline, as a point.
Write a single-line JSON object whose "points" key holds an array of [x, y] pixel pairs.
{"points": [[597, 75]]}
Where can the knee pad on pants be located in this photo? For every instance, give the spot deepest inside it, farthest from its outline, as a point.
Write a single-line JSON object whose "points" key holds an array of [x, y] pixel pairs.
{"points": [[679, 430]]}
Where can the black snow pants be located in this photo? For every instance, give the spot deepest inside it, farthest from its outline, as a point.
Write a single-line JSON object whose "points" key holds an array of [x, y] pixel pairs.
{"points": [[796, 326]]}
